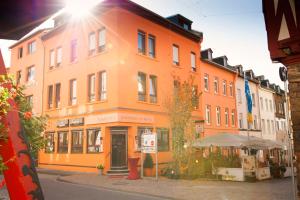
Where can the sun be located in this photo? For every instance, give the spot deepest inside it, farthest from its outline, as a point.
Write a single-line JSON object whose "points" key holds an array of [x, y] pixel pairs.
{"points": [[79, 8]]}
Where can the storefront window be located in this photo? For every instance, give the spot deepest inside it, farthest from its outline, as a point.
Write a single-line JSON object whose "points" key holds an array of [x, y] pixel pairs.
{"points": [[63, 141], [77, 142], [50, 143], [94, 141], [162, 139]]}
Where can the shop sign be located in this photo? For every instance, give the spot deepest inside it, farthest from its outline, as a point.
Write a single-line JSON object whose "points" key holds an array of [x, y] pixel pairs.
{"points": [[77, 121], [249, 164], [62, 123], [148, 143]]}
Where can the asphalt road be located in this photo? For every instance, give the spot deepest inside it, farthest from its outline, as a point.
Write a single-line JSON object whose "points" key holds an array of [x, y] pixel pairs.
{"points": [[55, 190]]}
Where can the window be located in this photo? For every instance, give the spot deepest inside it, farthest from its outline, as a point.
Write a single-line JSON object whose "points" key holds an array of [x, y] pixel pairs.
{"points": [[141, 86], [63, 141], [206, 82], [102, 86], [241, 124], [175, 54], [239, 95], [30, 73], [94, 141], [216, 85], [77, 142], [151, 43], [218, 115], [19, 76], [226, 117], [255, 122], [261, 103], [29, 99], [224, 87], [272, 124], [92, 43], [263, 126], [57, 95], [271, 105], [162, 139], [253, 99], [277, 125], [193, 61], [140, 131], [141, 42], [50, 96], [233, 118], [31, 47], [266, 103], [59, 56], [52, 58], [73, 50], [91, 87], [207, 114], [269, 128], [73, 92], [186, 27], [20, 52], [102, 40], [49, 148], [153, 89], [231, 89]]}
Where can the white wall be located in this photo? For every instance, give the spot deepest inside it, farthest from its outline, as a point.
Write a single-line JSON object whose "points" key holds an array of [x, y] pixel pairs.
{"points": [[242, 108], [267, 113]]}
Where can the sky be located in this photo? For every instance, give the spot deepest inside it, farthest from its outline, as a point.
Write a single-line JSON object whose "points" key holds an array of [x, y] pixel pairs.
{"points": [[234, 28]]}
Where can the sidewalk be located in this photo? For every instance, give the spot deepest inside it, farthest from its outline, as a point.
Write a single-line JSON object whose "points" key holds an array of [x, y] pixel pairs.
{"points": [[277, 189]]}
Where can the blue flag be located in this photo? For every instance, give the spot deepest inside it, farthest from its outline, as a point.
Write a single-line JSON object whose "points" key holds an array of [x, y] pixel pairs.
{"points": [[249, 100]]}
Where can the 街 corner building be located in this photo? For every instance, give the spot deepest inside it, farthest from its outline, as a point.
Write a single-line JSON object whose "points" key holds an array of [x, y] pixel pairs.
{"points": [[104, 79]]}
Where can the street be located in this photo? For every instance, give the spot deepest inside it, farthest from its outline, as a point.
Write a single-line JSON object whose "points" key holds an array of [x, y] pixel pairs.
{"points": [[56, 190]]}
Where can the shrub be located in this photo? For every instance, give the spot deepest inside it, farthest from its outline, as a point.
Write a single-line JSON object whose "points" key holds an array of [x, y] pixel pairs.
{"points": [[148, 162]]}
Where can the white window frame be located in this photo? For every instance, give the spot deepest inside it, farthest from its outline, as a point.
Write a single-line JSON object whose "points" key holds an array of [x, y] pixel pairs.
{"points": [[218, 116], [208, 114], [175, 54], [206, 82], [193, 61]]}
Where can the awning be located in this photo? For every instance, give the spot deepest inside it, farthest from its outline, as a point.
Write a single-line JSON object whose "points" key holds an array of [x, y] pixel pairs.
{"points": [[235, 140]]}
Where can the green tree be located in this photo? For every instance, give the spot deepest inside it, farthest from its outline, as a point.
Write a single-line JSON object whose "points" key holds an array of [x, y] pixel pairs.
{"points": [[180, 106], [33, 126]]}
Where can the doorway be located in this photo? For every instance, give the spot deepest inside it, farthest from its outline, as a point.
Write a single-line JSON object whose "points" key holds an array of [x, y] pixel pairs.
{"points": [[118, 147]]}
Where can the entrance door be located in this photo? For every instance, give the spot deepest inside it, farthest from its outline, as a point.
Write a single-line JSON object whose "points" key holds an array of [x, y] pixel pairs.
{"points": [[118, 148]]}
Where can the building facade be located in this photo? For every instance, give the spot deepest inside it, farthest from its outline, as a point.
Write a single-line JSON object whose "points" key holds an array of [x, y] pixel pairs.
{"points": [[106, 81], [27, 61], [218, 94], [267, 110], [245, 128]]}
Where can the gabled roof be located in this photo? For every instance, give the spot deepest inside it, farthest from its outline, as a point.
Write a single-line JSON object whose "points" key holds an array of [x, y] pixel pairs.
{"points": [[29, 36], [141, 11]]}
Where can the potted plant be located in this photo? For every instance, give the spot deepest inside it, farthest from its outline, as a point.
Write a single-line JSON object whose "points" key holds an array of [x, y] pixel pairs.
{"points": [[100, 168], [148, 165]]}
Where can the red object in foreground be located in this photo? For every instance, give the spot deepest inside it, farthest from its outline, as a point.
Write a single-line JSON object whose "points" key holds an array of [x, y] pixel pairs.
{"points": [[133, 172], [21, 177], [2, 183]]}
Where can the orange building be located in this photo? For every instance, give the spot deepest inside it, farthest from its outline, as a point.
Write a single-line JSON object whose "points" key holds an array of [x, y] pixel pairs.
{"points": [[28, 65], [218, 100], [106, 78]]}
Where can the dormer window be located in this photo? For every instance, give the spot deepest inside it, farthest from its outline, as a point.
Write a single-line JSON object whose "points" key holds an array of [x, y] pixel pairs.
{"points": [[186, 27]]}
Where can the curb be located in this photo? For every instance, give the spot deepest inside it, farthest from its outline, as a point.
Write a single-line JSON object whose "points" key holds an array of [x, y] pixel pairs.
{"points": [[119, 190]]}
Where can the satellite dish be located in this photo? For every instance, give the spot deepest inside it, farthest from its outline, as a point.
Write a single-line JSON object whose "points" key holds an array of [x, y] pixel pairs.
{"points": [[283, 73]]}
